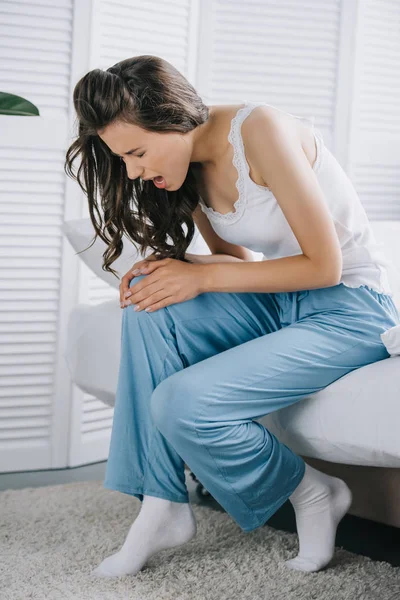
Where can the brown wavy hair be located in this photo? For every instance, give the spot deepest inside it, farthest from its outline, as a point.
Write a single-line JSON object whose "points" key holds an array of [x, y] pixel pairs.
{"points": [[149, 92]]}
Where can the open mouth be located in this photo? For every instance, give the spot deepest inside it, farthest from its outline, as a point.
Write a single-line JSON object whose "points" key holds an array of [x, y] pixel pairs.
{"points": [[159, 181]]}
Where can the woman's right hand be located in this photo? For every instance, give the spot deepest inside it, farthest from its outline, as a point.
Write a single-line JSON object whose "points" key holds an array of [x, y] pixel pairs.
{"points": [[124, 291]]}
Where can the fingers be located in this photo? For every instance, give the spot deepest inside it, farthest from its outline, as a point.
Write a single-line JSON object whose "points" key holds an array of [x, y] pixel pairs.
{"points": [[126, 279], [124, 291]]}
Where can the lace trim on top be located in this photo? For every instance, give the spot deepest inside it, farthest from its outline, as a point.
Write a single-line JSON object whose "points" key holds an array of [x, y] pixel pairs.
{"points": [[240, 163], [234, 139]]}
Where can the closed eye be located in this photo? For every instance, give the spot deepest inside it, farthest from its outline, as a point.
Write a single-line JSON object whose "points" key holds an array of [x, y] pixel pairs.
{"points": [[118, 156]]}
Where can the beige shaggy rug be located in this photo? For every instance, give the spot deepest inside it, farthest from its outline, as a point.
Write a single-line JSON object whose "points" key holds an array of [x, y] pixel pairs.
{"points": [[51, 538]]}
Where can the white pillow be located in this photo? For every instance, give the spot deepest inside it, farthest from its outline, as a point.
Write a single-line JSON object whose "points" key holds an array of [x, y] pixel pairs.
{"points": [[80, 233]]}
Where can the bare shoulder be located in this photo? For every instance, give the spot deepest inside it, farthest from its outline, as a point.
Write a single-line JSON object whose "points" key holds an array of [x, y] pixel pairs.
{"points": [[265, 118], [262, 122]]}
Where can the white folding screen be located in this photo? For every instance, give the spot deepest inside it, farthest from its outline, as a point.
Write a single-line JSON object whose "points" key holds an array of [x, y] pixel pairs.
{"points": [[374, 149], [283, 53], [35, 62], [333, 60]]}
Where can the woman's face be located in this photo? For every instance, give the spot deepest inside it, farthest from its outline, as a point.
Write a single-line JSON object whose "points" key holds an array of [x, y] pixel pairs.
{"points": [[157, 153]]}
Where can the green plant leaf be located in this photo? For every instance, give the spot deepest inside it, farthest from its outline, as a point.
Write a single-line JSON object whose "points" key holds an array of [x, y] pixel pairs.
{"points": [[10, 104]]}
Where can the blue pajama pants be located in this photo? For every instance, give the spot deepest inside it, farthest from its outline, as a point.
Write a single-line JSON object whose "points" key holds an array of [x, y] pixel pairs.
{"points": [[194, 375]]}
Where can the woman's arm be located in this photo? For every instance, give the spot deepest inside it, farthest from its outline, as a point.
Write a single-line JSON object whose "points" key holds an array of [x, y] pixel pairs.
{"points": [[212, 258], [288, 274]]}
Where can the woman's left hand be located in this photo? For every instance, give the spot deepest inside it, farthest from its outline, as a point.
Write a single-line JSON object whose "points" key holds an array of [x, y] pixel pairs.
{"points": [[168, 281]]}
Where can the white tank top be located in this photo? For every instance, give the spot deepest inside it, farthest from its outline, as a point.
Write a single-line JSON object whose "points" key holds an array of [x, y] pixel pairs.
{"points": [[258, 223]]}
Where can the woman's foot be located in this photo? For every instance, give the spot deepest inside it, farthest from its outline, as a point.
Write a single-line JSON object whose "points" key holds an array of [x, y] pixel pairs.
{"points": [[320, 502], [160, 524]]}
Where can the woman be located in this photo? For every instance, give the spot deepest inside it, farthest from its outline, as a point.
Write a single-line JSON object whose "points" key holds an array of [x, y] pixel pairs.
{"points": [[210, 343]]}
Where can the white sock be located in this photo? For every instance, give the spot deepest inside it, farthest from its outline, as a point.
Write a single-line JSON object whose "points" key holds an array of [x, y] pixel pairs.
{"points": [[160, 524], [320, 502]]}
